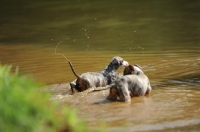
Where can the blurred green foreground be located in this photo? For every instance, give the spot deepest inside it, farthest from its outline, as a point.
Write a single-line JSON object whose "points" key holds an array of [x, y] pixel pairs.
{"points": [[24, 109]]}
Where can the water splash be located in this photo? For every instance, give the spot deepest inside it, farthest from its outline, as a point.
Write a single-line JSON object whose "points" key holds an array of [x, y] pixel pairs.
{"points": [[57, 47]]}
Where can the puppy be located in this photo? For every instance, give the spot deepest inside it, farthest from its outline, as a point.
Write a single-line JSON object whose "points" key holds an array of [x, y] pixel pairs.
{"points": [[136, 83], [97, 79]]}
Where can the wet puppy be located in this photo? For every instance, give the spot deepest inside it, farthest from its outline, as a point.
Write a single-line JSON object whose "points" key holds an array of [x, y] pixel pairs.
{"points": [[133, 83], [129, 85], [97, 79]]}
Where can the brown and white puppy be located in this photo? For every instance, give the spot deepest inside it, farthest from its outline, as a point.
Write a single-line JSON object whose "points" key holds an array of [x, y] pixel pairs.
{"points": [[133, 83], [129, 86], [97, 79]]}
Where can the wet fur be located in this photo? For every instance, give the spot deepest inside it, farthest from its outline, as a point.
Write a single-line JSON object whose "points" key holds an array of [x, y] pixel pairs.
{"points": [[129, 86], [97, 79], [133, 83]]}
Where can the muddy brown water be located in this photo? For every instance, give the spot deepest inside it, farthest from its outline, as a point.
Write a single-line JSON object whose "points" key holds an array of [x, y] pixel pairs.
{"points": [[162, 37]]}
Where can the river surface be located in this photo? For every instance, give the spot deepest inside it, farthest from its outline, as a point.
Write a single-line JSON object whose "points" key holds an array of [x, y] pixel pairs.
{"points": [[163, 37]]}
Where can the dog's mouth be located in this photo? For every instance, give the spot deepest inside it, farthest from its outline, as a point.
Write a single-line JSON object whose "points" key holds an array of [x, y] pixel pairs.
{"points": [[125, 63]]}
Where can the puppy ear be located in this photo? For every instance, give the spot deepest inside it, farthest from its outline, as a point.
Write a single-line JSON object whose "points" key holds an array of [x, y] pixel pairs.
{"points": [[131, 67], [128, 70]]}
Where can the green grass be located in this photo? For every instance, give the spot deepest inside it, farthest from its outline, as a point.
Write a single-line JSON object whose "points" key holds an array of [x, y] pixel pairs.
{"points": [[24, 109]]}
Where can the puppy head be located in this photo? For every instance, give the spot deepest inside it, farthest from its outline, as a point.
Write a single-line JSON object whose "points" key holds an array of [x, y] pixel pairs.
{"points": [[133, 69], [81, 84], [118, 61]]}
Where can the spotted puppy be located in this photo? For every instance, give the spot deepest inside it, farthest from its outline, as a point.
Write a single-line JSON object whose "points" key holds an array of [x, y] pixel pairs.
{"points": [[133, 83], [97, 79], [129, 85]]}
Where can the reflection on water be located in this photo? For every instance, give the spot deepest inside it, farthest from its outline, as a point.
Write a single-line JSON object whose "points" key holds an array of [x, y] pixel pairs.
{"points": [[161, 36]]}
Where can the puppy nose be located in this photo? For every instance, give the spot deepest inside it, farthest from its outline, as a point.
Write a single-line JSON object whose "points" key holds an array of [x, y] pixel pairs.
{"points": [[125, 63]]}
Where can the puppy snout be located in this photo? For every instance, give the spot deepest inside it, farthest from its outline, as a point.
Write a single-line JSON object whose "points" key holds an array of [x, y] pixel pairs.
{"points": [[125, 63]]}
